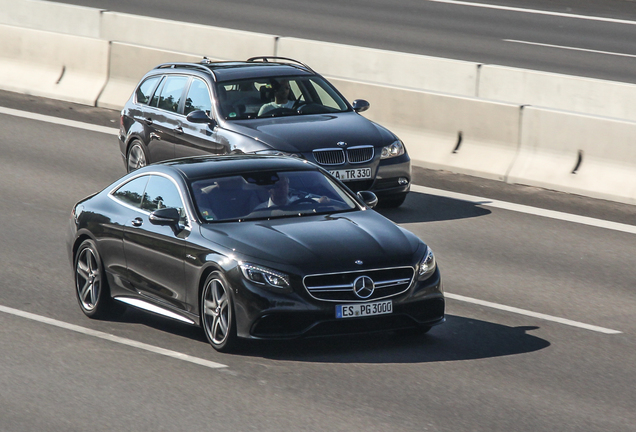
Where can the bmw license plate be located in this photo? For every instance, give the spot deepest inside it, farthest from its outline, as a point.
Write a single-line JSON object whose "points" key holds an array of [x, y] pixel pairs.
{"points": [[364, 309], [352, 174]]}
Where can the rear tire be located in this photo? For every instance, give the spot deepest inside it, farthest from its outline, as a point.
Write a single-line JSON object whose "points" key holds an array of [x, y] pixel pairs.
{"points": [[91, 286], [136, 157]]}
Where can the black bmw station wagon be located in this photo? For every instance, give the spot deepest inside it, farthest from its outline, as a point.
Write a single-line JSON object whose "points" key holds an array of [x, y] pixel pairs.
{"points": [[265, 105]]}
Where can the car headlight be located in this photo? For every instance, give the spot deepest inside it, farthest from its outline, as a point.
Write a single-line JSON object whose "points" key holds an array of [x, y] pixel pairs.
{"points": [[265, 276], [393, 150], [427, 266], [277, 153]]}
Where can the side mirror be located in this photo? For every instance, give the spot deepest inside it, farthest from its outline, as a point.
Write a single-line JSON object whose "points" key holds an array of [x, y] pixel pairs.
{"points": [[360, 105], [199, 116], [168, 216], [368, 198]]}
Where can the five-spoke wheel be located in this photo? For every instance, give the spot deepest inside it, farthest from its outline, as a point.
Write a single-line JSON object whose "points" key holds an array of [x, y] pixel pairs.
{"points": [[217, 313], [91, 287]]}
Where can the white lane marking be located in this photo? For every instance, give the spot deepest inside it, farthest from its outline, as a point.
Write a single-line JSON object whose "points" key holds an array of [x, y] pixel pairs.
{"points": [[535, 11], [112, 338], [531, 314], [59, 121], [570, 48], [520, 208]]}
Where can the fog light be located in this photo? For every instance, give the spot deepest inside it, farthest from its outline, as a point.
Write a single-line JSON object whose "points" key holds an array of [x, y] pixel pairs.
{"points": [[403, 181]]}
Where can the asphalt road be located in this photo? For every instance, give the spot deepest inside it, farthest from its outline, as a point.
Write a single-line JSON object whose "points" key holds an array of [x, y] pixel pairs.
{"points": [[591, 38], [488, 368]]}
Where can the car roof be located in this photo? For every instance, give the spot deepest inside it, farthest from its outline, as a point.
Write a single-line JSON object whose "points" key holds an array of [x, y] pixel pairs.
{"points": [[193, 168], [252, 68]]}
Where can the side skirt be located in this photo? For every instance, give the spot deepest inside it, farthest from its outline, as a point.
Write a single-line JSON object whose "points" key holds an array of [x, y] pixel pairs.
{"points": [[141, 304]]}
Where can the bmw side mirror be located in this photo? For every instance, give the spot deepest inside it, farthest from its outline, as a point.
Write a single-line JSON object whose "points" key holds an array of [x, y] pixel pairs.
{"points": [[200, 116], [360, 105], [168, 216], [368, 198]]}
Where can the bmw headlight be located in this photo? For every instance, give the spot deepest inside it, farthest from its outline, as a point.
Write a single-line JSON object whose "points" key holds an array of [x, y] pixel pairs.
{"points": [[393, 150], [427, 266], [265, 276]]}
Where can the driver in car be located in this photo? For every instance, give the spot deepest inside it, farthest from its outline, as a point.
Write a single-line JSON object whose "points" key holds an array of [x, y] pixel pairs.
{"points": [[278, 195], [281, 97]]}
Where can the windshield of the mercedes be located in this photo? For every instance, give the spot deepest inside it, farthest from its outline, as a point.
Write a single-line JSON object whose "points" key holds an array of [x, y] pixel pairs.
{"points": [[268, 194], [279, 96]]}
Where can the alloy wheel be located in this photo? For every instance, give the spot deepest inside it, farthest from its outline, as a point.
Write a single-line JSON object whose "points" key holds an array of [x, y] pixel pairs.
{"points": [[88, 279]]}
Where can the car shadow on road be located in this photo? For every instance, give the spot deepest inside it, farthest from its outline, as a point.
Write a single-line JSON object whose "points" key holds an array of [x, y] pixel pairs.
{"points": [[458, 339], [421, 207]]}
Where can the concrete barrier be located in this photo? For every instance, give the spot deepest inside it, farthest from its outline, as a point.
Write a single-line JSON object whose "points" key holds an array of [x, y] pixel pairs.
{"points": [[563, 92], [575, 153], [441, 131], [383, 67], [184, 37], [51, 16], [125, 74], [53, 65]]}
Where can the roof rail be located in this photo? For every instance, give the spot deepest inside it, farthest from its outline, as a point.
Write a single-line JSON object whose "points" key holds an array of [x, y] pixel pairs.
{"points": [[183, 65], [266, 59]]}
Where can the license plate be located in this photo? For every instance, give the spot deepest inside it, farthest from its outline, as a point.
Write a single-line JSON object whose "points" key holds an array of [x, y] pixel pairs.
{"points": [[364, 309], [352, 174]]}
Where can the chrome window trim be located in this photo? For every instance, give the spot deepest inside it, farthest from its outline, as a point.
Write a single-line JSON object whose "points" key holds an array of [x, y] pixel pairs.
{"points": [[186, 203]]}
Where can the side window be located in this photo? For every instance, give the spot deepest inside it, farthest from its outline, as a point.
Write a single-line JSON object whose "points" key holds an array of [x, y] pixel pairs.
{"points": [[144, 91], [155, 99], [171, 93], [161, 193], [132, 192], [198, 98]]}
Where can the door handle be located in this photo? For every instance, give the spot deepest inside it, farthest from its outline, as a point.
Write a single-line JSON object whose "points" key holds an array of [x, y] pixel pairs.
{"points": [[178, 130], [137, 222], [148, 121]]}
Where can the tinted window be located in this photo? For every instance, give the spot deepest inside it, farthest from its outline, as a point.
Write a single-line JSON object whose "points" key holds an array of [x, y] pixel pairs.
{"points": [[132, 192], [162, 193], [246, 99], [198, 98], [144, 91], [171, 93], [269, 194]]}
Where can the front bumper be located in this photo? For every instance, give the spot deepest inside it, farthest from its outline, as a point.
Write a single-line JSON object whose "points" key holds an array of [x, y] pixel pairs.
{"points": [[262, 315]]}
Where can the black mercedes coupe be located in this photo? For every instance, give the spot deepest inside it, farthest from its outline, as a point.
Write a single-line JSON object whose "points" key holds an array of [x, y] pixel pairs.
{"points": [[257, 247]]}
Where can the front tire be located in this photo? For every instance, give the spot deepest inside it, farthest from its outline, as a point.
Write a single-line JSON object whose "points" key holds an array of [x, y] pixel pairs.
{"points": [[136, 157], [217, 313], [91, 286]]}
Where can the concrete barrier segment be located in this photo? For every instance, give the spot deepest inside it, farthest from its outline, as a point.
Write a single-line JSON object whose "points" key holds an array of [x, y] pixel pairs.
{"points": [[562, 92], [53, 65], [125, 74], [383, 67], [198, 39], [577, 153], [51, 16], [442, 131]]}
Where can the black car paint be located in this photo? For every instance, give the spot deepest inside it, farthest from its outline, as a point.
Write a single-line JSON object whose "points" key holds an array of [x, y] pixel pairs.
{"points": [[166, 135], [167, 266]]}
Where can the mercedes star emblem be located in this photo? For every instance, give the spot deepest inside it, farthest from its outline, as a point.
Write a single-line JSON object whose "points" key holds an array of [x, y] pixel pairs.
{"points": [[363, 287]]}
